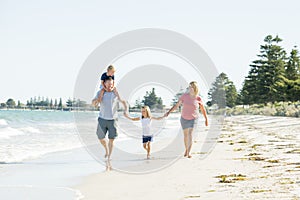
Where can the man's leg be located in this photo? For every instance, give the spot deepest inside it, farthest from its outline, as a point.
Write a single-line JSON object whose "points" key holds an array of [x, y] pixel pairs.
{"points": [[112, 134], [110, 147], [101, 132], [103, 142]]}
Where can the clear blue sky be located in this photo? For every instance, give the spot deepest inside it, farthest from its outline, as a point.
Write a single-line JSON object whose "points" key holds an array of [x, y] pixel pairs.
{"points": [[44, 43]]}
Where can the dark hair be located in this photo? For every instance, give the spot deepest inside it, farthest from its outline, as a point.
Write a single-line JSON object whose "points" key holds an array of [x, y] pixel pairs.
{"points": [[109, 78]]}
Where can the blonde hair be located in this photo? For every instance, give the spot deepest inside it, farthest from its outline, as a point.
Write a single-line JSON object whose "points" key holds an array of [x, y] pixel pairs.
{"points": [[148, 112], [111, 67], [194, 85]]}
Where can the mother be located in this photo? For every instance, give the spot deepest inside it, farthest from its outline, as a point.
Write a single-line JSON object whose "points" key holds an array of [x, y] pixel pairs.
{"points": [[190, 112]]}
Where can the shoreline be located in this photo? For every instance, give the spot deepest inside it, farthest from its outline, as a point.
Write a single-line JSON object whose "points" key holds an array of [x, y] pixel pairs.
{"points": [[51, 176]]}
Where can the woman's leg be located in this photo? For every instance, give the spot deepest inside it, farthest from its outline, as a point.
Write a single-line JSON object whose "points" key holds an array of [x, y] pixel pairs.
{"points": [[186, 141], [190, 142]]}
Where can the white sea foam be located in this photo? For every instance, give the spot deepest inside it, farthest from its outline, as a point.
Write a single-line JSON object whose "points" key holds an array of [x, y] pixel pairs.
{"points": [[8, 132], [30, 129], [3, 122]]}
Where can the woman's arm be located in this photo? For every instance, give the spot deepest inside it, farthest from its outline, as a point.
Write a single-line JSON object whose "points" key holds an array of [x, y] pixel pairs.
{"points": [[202, 108], [158, 118], [173, 108]]}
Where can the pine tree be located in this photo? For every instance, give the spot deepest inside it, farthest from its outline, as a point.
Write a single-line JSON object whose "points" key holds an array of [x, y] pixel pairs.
{"points": [[60, 104], [55, 103], [223, 92], [292, 71], [151, 100], [266, 79], [51, 103]]}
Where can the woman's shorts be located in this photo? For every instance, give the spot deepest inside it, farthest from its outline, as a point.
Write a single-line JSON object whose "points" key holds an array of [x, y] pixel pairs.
{"points": [[187, 123], [147, 139]]}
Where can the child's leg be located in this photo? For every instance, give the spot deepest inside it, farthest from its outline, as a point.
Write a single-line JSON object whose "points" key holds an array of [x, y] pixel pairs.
{"points": [[116, 93], [145, 146], [148, 150], [100, 96]]}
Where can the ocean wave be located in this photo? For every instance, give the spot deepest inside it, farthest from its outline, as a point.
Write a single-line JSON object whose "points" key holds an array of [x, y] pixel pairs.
{"points": [[12, 153], [8, 132], [30, 129], [3, 122]]}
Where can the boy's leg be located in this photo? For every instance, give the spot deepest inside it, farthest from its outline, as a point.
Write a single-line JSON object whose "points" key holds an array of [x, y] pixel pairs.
{"points": [[116, 93], [100, 96]]}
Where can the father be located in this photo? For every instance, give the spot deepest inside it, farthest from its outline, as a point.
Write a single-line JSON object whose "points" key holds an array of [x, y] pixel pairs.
{"points": [[107, 117]]}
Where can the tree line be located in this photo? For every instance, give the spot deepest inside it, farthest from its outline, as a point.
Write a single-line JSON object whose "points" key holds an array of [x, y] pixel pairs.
{"points": [[44, 103], [273, 77]]}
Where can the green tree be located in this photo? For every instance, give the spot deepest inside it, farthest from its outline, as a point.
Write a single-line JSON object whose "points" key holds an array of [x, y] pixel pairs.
{"points": [[70, 102], [51, 103], [10, 103], [266, 79], [55, 103], [151, 100], [223, 92], [293, 76], [60, 104], [137, 103]]}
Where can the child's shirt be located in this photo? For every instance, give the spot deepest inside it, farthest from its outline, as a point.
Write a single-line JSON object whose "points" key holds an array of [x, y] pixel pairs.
{"points": [[146, 123], [104, 76]]}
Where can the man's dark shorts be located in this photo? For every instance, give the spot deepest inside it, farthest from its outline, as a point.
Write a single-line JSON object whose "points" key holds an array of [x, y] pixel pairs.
{"points": [[105, 125]]}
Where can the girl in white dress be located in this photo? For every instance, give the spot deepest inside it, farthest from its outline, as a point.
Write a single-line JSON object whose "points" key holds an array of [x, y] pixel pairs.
{"points": [[145, 119]]}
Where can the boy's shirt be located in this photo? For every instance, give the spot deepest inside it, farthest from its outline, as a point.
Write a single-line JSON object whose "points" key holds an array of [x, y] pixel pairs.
{"points": [[105, 76]]}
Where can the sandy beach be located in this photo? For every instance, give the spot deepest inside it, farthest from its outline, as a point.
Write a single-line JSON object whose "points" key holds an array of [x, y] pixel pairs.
{"points": [[255, 157]]}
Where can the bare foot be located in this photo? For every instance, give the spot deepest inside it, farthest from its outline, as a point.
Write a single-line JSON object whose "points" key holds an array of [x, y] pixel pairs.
{"points": [[185, 154], [189, 156], [148, 156]]}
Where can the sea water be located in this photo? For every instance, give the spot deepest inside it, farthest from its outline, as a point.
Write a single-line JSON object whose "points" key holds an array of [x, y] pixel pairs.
{"points": [[30, 134]]}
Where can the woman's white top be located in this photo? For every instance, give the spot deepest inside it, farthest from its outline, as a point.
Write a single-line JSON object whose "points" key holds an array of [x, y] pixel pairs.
{"points": [[146, 123]]}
